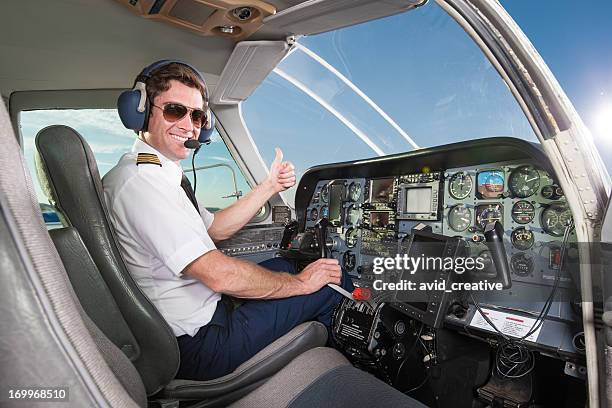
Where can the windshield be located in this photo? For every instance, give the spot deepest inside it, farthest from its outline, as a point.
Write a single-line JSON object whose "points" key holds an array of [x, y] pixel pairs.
{"points": [[409, 81]]}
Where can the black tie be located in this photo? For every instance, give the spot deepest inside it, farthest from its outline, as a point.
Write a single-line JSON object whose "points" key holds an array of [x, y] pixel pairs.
{"points": [[186, 185]]}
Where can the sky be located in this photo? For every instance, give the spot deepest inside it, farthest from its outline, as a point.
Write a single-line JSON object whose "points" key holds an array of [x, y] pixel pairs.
{"points": [[575, 40], [424, 71]]}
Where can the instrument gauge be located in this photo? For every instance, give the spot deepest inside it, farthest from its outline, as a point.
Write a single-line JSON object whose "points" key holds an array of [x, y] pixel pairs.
{"points": [[354, 191], [314, 214], [554, 219], [325, 212], [460, 185], [524, 181], [351, 237], [353, 215], [523, 212], [459, 218], [490, 184], [548, 192], [522, 239], [489, 213], [325, 193], [521, 264]]}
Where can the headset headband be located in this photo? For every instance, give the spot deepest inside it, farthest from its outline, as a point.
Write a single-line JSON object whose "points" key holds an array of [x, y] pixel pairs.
{"points": [[133, 105]]}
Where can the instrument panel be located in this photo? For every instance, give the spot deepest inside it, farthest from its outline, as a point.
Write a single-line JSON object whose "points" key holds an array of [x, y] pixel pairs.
{"points": [[370, 216], [373, 207]]}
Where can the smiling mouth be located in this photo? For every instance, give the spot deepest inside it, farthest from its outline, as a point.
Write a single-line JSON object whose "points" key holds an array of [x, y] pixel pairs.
{"points": [[181, 139]]}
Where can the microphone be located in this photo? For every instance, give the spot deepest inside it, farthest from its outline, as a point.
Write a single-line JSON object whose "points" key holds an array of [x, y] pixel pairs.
{"points": [[192, 144]]}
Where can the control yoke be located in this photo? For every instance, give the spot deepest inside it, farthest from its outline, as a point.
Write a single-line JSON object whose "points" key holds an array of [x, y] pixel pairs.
{"points": [[494, 236], [321, 229], [290, 231]]}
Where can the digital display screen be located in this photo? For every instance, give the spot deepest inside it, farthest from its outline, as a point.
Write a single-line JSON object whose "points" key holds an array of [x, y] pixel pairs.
{"points": [[336, 193], [381, 190], [379, 219], [418, 200], [490, 184]]}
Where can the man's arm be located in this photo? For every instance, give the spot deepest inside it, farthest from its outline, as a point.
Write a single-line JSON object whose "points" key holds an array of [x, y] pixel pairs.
{"points": [[231, 219], [245, 279]]}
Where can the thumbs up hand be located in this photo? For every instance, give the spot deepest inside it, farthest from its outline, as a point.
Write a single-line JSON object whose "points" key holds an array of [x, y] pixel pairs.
{"points": [[282, 174]]}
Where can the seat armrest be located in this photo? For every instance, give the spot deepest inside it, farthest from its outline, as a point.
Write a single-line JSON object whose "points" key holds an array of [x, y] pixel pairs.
{"points": [[259, 367]]}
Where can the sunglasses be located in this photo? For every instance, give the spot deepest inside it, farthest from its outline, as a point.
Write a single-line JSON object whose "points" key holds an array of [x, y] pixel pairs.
{"points": [[173, 112]]}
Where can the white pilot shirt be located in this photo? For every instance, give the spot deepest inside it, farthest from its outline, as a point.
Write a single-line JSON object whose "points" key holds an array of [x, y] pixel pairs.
{"points": [[160, 232]]}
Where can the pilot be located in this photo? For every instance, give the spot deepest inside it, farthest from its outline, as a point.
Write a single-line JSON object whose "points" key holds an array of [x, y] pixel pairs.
{"points": [[168, 239]]}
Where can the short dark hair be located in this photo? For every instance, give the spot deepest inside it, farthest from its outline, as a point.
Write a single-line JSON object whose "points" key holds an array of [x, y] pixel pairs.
{"points": [[159, 81]]}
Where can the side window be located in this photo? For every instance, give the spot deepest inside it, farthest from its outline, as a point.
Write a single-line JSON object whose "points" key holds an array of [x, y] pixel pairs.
{"points": [[219, 181], [109, 140]]}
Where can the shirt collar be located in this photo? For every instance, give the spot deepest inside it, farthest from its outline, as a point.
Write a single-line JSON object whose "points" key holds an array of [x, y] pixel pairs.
{"points": [[168, 165]]}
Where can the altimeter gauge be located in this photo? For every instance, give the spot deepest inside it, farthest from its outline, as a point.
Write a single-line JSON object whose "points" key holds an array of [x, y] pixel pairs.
{"points": [[524, 181]]}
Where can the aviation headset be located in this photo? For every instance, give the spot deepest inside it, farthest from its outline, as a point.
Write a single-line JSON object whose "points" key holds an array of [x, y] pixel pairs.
{"points": [[134, 106]]}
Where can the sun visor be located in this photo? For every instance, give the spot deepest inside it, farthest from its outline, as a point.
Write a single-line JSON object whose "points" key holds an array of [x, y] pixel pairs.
{"points": [[318, 16], [247, 67]]}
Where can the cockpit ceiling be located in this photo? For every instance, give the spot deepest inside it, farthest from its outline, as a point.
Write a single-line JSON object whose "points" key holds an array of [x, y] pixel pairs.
{"points": [[101, 44]]}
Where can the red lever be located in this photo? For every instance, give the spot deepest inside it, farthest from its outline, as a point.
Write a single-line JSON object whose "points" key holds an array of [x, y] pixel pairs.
{"points": [[362, 294]]}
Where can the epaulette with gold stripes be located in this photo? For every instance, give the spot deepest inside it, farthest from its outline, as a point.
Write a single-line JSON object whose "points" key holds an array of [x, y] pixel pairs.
{"points": [[148, 158]]}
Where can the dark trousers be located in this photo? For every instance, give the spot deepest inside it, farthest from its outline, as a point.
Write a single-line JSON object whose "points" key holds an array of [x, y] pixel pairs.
{"points": [[234, 336]]}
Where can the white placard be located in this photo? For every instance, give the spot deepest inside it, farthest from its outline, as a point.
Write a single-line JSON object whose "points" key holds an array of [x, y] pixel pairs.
{"points": [[508, 323]]}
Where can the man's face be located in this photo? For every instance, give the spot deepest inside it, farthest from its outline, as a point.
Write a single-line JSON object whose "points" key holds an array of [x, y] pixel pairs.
{"points": [[168, 138]]}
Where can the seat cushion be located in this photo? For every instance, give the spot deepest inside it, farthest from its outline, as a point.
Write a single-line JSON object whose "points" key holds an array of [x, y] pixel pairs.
{"points": [[322, 377], [261, 366]]}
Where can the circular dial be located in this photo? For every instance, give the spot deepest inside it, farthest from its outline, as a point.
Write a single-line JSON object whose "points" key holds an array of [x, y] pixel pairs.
{"points": [[325, 193], [460, 185], [314, 214], [324, 212], [353, 215], [488, 213], [354, 191], [459, 218], [521, 264], [522, 239], [491, 184], [351, 237], [524, 181], [348, 261], [554, 219], [548, 192], [523, 212]]}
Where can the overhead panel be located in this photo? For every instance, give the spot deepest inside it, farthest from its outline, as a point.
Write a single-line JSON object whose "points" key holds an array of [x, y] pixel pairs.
{"points": [[233, 19]]}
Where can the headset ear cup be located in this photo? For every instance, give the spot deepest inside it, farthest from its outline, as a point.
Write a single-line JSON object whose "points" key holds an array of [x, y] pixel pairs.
{"points": [[206, 133], [127, 107]]}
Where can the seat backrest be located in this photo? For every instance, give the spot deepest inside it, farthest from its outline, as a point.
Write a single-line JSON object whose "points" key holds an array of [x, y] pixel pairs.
{"points": [[69, 174], [45, 336]]}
